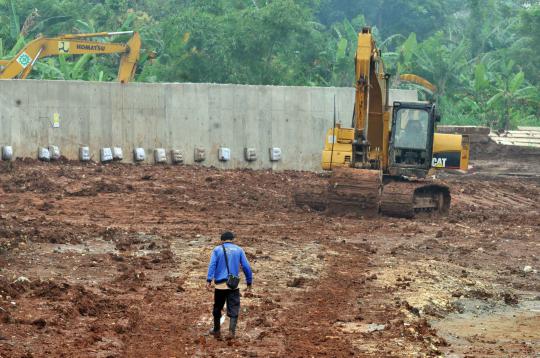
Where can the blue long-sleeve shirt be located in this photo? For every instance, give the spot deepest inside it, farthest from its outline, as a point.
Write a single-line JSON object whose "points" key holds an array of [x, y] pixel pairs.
{"points": [[217, 270]]}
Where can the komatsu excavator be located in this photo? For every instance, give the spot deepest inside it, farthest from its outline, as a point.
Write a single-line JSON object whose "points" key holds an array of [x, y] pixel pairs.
{"points": [[381, 163], [76, 44]]}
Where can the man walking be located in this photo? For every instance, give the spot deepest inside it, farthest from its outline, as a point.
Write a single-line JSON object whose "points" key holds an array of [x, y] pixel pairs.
{"points": [[224, 269]]}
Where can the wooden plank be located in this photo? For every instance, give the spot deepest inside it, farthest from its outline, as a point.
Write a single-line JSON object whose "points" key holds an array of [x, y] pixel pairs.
{"points": [[521, 133], [518, 136], [523, 137], [529, 138], [532, 129], [518, 144], [519, 140], [532, 139]]}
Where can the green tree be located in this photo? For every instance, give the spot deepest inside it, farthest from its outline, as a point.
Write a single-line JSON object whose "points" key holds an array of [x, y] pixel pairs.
{"points": [[527, 49], [511, 92]]}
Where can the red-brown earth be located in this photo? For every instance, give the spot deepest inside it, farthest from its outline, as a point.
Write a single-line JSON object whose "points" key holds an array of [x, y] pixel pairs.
{"points": [[110, 261]]}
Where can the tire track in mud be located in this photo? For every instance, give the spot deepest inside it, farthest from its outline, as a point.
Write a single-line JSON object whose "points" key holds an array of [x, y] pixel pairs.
{"points": [[168, 328], [175, 324], [349, 314], [174, 327], [309, 326]]}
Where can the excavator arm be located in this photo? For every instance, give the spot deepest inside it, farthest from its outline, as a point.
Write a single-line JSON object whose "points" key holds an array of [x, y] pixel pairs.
{"points": [[419, 81], [365, 144], [21, 65], [371, 116]]}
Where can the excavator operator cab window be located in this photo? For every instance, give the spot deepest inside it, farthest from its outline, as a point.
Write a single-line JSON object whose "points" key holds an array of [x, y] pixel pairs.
{"points": [[411, 141], [411, 129]]}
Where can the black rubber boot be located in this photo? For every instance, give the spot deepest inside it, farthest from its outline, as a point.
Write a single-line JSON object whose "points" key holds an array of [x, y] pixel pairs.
{"points": [[232, 327], [216, 330]]}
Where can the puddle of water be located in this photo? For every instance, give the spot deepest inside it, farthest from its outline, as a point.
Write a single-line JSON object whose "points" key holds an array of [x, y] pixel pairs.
{"points": [[492, 325]]}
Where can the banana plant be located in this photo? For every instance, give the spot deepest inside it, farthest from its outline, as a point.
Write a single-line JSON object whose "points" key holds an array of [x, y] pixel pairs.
{"points": [[441, 63], [512, 90], [477, 92], [390, 58], [15, 36], [14, 25], [342, 65]]}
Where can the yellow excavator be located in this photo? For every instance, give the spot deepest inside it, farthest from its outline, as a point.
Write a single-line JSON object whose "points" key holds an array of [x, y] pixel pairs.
{"points": [[382, 163], [75, 44]]}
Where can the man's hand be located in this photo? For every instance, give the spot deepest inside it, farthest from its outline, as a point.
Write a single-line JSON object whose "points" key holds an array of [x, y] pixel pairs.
{"points": [[209, 286]]}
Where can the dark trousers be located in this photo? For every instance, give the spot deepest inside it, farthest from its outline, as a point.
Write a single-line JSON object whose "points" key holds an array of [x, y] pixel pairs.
{"points": [[232, 297]]}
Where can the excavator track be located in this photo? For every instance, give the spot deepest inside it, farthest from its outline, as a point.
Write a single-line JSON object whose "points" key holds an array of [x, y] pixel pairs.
{"points": [[348, 191], [402, 198], [354, 191], [361, 191]]}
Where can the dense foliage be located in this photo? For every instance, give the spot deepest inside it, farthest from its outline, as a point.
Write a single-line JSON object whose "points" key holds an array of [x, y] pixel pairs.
{"points": [[483, 55]]}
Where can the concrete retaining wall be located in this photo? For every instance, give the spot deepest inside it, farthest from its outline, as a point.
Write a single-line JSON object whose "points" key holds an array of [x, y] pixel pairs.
{"points": [[174, 116]]}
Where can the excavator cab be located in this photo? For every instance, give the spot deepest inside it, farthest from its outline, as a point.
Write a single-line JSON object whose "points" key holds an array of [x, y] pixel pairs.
{"points": [[411, 139]]}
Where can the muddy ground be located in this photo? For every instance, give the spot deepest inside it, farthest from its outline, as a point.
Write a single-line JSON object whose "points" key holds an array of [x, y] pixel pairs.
{"points": [[110, 261]]}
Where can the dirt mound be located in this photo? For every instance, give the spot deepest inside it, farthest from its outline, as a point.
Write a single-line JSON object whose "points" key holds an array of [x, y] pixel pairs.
{"points": [[493, 151], [33, 181], [50, 289], [96, 187], [89, 304], [61, 233], [12, 288]]}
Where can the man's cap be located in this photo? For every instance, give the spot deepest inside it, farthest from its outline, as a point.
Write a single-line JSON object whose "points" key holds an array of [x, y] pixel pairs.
{"points": [[227, 235]]}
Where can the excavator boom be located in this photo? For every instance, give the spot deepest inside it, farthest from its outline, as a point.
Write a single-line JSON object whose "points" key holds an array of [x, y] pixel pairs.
{"points": [[76, 44]]}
